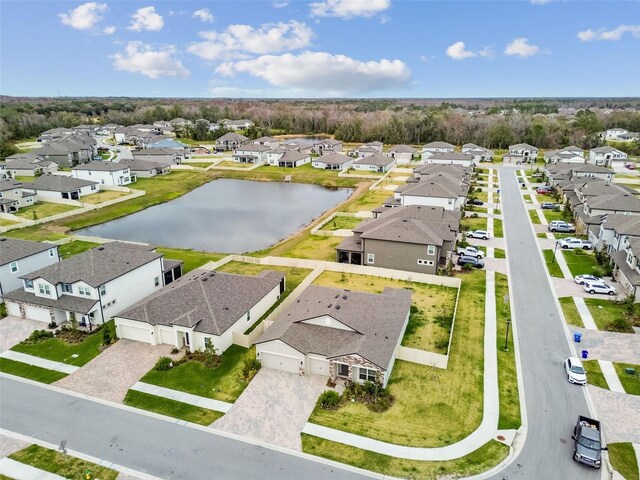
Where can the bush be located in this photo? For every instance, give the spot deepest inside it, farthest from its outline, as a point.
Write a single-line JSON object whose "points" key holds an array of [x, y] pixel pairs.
{"points": [[52, 324], [163, 364], [38, 336], [3, 310], [174, 351], [467, 267], [329, 400], [603, 271], [250, 368], [106, 337]]}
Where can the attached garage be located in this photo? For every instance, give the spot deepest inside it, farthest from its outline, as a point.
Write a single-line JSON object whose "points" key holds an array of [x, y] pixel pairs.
{"points": [[167, 336], [37, 313], [132, 332], [280, 362], [318, 366], [13, 308]]}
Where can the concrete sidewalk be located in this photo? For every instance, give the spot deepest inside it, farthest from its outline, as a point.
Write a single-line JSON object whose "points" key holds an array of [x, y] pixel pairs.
{"points": [[585, 314], [611, 376], [183, 397], [39, 362], [20, 471]]}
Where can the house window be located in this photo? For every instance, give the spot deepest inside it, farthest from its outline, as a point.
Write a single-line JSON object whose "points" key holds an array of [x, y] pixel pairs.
{"points": [[52, 252], [425, 262], [431, 249], [103, 290], [366, 374], [13, 266], [29, 200], [66, 288], [28, 284], [342, 370], [44, 289], [156, 281], [93, 187], [86, 291], [207, 342], [370, 258]]}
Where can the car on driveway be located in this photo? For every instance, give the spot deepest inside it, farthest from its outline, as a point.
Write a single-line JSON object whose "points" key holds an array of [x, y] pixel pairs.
{"points": [[483, 234], [475, 201], [548, 205], [575, 371], [470, 252], [571, 242], [473, 261], [599, 287], [561, 227], [538, 175], [544, 190], [630, 166], [582, 279]]}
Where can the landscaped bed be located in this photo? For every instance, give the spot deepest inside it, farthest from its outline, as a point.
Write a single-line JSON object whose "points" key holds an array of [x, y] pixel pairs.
{"points": [[171, 408], [432, 407]]}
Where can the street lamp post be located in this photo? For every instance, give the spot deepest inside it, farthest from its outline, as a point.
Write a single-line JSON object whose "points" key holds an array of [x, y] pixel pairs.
{"points": [[555, 247], [506, 338]]}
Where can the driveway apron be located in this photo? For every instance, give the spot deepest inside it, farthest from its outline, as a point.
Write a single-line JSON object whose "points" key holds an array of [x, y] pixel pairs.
{"points": [[15, 329]]}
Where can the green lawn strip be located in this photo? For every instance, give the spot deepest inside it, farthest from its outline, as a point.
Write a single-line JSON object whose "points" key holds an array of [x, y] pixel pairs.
{"points": [[338, 223], [487, 456], [623, 459], [369, 200], [606, 311], [552, 265], [535, 218], [507, 374], [541, 234], [484, 196], [552, 215], [570, 311], [630, 382], [497, 228], [580, 262], [32, 372], [192, 258], [44, 209], [479, 223], [221, 383], [198, 164], [61, 464], [4, 477], [171, 408], [432, 407], [60, 351], [75, 247], [5, 222], [24, 178], [499, 253], [594, 374], [304, 174]]}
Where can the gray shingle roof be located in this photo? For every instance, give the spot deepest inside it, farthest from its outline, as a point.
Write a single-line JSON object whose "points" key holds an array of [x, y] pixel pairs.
{"points": [[453, 156], [101, 166], [209, 301], [430, 188], [438, 145], [403, 149], [377, 160], [293, 156], [377, 323], [623, 224], [619, 258], [334, 159], [231, 137], [12, 249], [98, 265], [58, 183], [9, 184], [138, 165], [456, 169], [70, 303], [622, 202]]}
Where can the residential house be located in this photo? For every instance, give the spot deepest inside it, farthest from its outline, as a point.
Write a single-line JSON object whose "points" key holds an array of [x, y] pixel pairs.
{"points": [[436, 147], [332, 161], [593, 171], [402, 154], [165, 156], [364, 151], [571, 154], [626, 269], [607, 156], [414, 238], [19, 257], [298, 146], [340, 334], [52, 188], [146, 168], [29, 165], [479, 154], [180, 123], [454, 171], [55, 134], [250, 153], [105, 173], [3, 170], [288, 158], [13, 197], [236, 125], [270, 142], [595, 209], [374, 163], [91, 287], [327, 146], [55, 153], [616, 134], [183, 150], [521, 152], [200, 309], [615, 232], [200, 150], [462, 159], [230, 141], [436, 191]]}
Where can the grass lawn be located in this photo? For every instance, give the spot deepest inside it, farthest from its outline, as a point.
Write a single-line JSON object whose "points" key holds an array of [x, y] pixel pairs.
{"points": [[64, 465], [499, 253], [479, 461], [231, 164], [541, 234], [171, 408], [44, 209], [370, 200], [484, 196], [507, 374], [570, 312], [432, 407], [38, 374], [544, 198], [338, 223], [199, 164], [594, 374], [221, 383], [23, 178], [5, 223], [605, 311], [192, 259], [552, 265], [552, 215], [103, 196], [60, 351], [630, 383], [580, 262], [307, 246], [75, 247], [497, 228], [431, 315], [479, 223], [623, 458]]}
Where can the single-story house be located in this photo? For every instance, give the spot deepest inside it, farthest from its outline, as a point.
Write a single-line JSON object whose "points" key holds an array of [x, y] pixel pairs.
{"points": [[402, 153], [292, 159], [571, 154], [462, 159], [333, 161], [200, 309], [436, 147], [374, 163], [51, 188], [106, 173], [146, 168], [270, 142], [29, 165], [340, 334]]}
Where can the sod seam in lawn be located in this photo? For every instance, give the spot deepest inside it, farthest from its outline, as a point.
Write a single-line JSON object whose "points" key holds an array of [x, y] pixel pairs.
{"points": [[31, 372], [171, 408]]}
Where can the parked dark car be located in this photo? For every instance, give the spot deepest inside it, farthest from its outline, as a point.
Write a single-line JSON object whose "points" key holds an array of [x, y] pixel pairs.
{"points": [[475, 201], [473, 261]]}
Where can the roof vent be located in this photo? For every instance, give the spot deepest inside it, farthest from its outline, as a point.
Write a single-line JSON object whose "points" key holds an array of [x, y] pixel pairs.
{"points": [[337, 296], [100, 248], [337, 307], [330, 305], [204, 279], [344, 297], [226, 308]]}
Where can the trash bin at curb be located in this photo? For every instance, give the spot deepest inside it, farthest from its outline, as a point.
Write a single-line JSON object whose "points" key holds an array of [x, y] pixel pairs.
{"points": [[577, 336], [585, 354]]}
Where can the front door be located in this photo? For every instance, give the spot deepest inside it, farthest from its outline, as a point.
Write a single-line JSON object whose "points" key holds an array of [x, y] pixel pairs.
{"points": [[187, 343]]}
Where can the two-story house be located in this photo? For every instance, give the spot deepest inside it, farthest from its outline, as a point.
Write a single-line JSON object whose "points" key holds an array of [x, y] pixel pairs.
{"points": [[165, 156], [607, 156], [436, 147], [327, 146], [402, 154], [230, 141], [105, 173], [29, 165], [19, 257], [615, 232], [479, 154], [13, 197], [626, 268], [571, 154], [250, 153], [521, 152]]}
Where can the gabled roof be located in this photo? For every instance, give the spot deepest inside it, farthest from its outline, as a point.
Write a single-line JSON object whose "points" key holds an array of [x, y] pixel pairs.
{"points": [[438, 145], [454, 168], [619, 258], [334, 159], [377, 159], [623, 224], [622, 202], [430, 188], [58, 183], [168, 143], [24, 157], [7, 184], [605, 149], [328, 141], [403, 149], [265, 139], [376, 323], [231, 137], [12, 249], [99, 166], [452, 156], [588, 168], [293, 156], [209, 302], [522, 145], [154, 151], [137, 165], [252, 148]]}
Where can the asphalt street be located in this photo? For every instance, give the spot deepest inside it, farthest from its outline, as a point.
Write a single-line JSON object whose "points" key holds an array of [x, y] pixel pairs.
{"points": [[552, 403], [146, 444]]}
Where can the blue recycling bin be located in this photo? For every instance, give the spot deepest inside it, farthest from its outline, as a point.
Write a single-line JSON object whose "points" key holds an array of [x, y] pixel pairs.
{"points": [[585, 354], [577, 336]]}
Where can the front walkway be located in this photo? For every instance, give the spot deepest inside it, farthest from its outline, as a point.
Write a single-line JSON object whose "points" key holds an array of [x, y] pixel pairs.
{"points": [[274, 408], [15, 329]]}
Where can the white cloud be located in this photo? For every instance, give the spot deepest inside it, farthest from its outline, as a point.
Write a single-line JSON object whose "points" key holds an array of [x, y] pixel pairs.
{"points": [[281, 4], [521, 47], [110, 30], [238, 40], [348, 8], [146, 18], [457, 51], [142, 58], [85, 16], [615, 34], [323, 74], [204, 14]]}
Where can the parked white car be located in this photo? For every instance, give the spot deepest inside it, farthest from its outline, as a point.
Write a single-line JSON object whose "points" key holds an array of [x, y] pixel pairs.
{"points": [[483, 234], [599, 287], [575, 371], [470, 252], [582, 279], [572, 242]]}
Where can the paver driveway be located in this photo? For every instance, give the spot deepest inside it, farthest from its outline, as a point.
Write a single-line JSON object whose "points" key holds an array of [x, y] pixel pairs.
{"points": [[110, 375], [619, 413], [610, 346], [274, 408], [15, 329]]}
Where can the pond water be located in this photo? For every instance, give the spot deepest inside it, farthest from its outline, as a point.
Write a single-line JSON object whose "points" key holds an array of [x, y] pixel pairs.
{"points": [[227, 216]]}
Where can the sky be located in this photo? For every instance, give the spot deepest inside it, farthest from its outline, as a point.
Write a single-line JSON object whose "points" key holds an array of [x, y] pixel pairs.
{"points": [[321, 48]]}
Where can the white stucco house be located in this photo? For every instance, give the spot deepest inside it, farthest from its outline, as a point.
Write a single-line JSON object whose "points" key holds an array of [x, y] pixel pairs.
{"points": [[455, 158], [402, 154], [53, 188], [521, 152], [251, 153], [202, 308], [571, 154], [436, 147], [105, 173], [333, 161], [479, 154], [19, 257], [13, 197], [374, 163], [432, 192], [340, 334]]}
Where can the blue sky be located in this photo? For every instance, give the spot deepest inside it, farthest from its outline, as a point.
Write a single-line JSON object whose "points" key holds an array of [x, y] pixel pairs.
{"points": [[323, 48]]}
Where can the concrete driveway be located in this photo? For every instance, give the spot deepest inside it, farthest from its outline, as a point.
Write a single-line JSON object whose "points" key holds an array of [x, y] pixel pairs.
{"points": [[566, 287], [15, 329], [491, 242], [110, 375], [274, 408]]}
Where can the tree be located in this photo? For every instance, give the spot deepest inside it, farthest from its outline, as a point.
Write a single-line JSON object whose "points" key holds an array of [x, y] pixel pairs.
{"points": [[500, 135], [200, 130], [587, 122]]}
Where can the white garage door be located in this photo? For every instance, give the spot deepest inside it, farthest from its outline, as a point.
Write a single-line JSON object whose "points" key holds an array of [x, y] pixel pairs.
{"points": [[280, 362], [167, 336], [319, 366], [37, 313], [134, 333], [13, 309]]}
